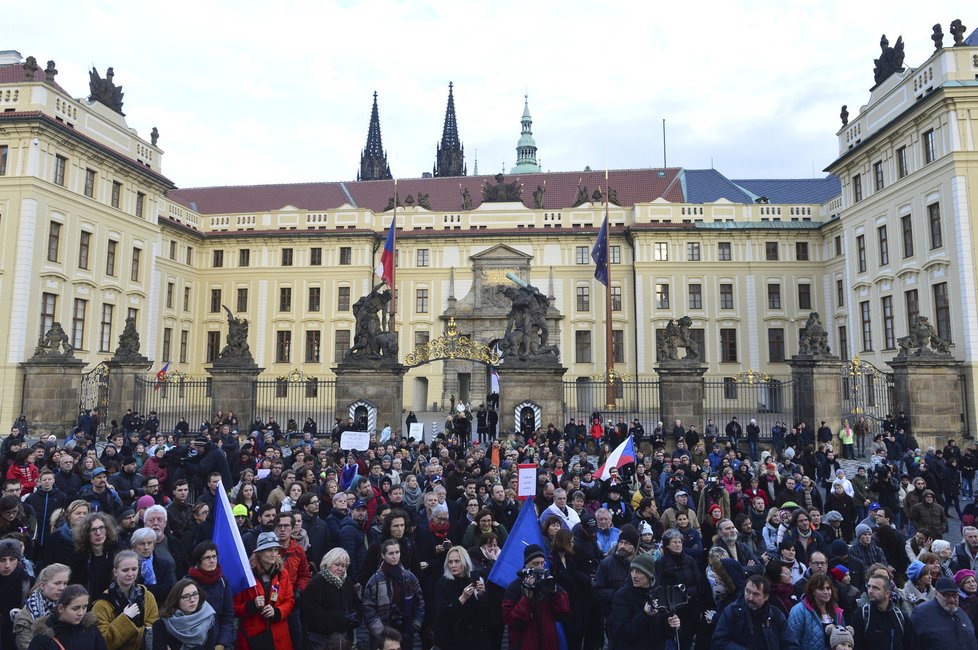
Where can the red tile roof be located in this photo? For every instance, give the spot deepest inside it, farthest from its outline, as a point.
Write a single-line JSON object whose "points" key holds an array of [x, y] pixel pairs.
{"points": [[444, 194], [14, 73]]}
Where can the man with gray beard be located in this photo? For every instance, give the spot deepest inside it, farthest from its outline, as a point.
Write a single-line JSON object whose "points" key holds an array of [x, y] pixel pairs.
{"points": [[939, 624]]}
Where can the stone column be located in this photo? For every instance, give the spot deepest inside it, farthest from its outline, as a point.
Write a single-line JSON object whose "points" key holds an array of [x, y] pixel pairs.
{"points": [[541, 384], [816, 389], [52, 387], [233, 388], [122, 385], [681, 392], [928, 389], [381, 384]]}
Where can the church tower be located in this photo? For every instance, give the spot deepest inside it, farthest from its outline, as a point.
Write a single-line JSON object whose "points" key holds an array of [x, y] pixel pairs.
{"points": [[373, 158], [450, 155], [526, 148]]}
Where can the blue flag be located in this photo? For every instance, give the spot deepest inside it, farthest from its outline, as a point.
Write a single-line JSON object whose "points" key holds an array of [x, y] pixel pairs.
{"points": [[230, 550], [525, 531], [600, 254]]}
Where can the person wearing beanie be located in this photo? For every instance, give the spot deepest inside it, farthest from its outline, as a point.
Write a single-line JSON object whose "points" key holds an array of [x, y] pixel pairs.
{"points": [[613, 569], [633, 624], [967, 583], [532, 614], [840, 638], [918, 589], [14, 584], [940, 624], [751, 621], [865, 549]]}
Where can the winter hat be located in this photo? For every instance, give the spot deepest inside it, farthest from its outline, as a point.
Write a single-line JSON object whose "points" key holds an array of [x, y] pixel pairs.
{"points": [[838, 634], [789, 453], [128, 512], [267, 541], [239, 510], [11, 548], [531, 552], [646, 529], [962, 575], [645, 564], [839, 572], [832, 515], [915, 569], [945, 585], [144, 502], [629, 534], [714, 509], [839, 548], [861, 529]]}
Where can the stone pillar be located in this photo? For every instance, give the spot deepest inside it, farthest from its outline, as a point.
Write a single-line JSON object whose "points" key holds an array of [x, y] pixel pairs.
{"points": [[380, 384], [542, 385], [233, 388], [681, 393], [122, 386], [928, 389], [52, 387], [816, 389]]}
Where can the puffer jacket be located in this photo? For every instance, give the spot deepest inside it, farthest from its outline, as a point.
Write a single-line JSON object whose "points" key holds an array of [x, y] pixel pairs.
{"points": [[806, 627], [929, 516]]}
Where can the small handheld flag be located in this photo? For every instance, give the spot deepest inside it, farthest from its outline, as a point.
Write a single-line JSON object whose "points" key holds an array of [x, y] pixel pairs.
{"points": [[600, 254], [621, 456], [230, 549]]}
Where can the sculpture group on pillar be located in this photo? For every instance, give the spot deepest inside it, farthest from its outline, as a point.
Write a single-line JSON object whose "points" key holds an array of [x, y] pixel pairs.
{"points": [[676, 335], [374, 336], [890, 61], [236, 351], [813, 340], [527, 333], [55, 344], [105, 91], [923, 340], [128, 349]]}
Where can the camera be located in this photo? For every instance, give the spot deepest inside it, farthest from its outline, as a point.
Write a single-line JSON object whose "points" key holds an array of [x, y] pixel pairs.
{"points": [[667, 597], [538, 581]]}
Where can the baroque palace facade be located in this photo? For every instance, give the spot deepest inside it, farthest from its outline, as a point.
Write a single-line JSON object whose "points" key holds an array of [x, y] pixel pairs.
{"points": [[93, 232]]}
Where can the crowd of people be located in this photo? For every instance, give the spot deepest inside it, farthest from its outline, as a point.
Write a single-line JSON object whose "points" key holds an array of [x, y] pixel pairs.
{"points": [[716, 539]]}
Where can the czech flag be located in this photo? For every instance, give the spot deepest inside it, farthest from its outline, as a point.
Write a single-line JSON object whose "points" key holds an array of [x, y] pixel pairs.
{"points": [[386, 267], [621, 456], [230, 549], [161, 376]]}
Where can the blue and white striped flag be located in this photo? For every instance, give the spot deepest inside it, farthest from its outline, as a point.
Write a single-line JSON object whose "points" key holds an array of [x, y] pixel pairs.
{"points": [[230, 550]]}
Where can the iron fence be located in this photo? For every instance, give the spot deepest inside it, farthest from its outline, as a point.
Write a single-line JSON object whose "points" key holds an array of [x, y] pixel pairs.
{"points": [[296, 397], [633, 399], [747, 396], [178, 396], [866, 391]]}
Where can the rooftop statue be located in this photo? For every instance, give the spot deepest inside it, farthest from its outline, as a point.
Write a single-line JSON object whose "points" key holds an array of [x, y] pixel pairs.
{"points": [[105, 91], [938, 37], [502, 191], [957, 31], [890, 61]]}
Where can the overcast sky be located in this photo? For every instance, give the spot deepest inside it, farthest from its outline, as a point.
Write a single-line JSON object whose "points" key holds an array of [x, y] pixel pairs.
{"points": [[249, 92]]}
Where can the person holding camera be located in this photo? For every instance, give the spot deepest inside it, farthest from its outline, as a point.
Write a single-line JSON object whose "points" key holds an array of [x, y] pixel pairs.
{"points": [[636, 620], [675, 567], [393, 597], [532, 604]]}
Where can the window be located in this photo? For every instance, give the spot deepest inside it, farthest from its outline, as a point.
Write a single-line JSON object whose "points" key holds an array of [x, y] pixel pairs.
{"points": [[857, 188], [60, 164], [771, 251], [867, 324], [134, 271], [934, 219], [242, 299], [804, 296], [218, 261], [341, 344], [884, 245], [421, 338], [614, 252], [84, 247], [54, 241], [167, 342], [801, 251], [581, 255], [313, 345], [105, 329], [186, 298], [314, 298], [78, 324], [421, 301], [615, 298], [215, 301], [422, 257], [3, 159], [903, 168], [728, 345], [582, 346], [90, 183], [861, 252], [189, 257], [283, 346], [878, 175], [889, 334], [726, 296], [838, 245], [843, 343], [775, 344], [942, 310], [184, 341], [906, 224], [840, 293], [140, 201], [724, 253], [49, 304], [213, 346], [116, 193], [583, 298], [285, 299], [662, 296], [661, 251], [173, 249], [343, 299], [774, 296], [316, 256], [913, 306], [729, 388], [169, 295], [618, 343], [346, 255], [696, 296], [692, 251], [930, 147], [244, 257], [286, 257]]}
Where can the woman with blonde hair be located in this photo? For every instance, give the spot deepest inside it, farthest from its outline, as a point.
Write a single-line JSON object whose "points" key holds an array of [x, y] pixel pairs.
{"points": [[263, 610], [461, 603], [125, 610], [60, 546], [42, 601], [330, 604]]}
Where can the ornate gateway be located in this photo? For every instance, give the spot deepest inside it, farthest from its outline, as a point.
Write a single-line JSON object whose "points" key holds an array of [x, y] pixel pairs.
{"points": [[451, 346]]}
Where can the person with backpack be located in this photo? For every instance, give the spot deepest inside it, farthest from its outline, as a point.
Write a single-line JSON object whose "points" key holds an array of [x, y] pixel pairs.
{"points": [[879, 623]]}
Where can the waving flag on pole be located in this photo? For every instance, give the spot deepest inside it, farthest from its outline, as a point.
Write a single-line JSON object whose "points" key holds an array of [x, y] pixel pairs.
{"points": [[525, 531], [600, 254], [230, 550], [386, 267], [621, 456], [161, 376]]}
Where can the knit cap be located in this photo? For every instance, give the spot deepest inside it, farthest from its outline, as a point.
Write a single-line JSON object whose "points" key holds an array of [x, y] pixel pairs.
{"points": [[838, 634], [963, 575], [532, 552], [144, 502], [862, 529], [629, 534], [645, 564], [839, 572], [913, 571]]}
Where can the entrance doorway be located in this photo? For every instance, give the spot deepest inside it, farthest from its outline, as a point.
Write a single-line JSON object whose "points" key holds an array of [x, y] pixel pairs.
{"points": [[464, 386], [420, 400]]}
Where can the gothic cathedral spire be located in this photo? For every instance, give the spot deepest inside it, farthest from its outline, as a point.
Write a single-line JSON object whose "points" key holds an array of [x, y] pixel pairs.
{"points": [[526, 148], [373, 158], [450, 156]]}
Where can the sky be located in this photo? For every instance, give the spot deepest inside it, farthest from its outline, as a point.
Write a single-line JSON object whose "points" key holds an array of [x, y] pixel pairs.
{"points": [[248, 92]]}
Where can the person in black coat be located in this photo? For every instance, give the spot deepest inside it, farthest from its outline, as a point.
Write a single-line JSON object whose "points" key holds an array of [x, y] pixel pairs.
{"points": [[70, 626], [308, 506], [330, 604], [462, 604], [633, 623], [752, 622], [186, 620], [674, 567], [215, 588]]}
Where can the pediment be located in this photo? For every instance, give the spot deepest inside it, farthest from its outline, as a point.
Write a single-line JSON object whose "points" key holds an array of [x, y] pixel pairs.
{"points": [[500, 252]]}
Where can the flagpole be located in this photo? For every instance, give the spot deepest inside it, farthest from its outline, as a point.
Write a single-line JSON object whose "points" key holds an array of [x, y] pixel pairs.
{"points": [[609, 338], [393, 317]]}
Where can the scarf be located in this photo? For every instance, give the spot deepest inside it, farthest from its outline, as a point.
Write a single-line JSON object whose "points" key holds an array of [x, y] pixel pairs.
{"points": [[206, 578], [119, 600], [146, 570], [38, 605], [191, 629], [494, 456], [412, 496], [440, 531], [332, 579], [395, 578]]}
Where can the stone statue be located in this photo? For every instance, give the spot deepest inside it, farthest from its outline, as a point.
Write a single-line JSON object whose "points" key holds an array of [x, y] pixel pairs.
{"points": [[890, 61], [55, 343], [30, 68], [844, 115], [938, 37], [957, 31], [423, 201], [674, 336], [128, 342], [502, 191], [597, 196], [466, 199], [582, 197], [50, 72], [924, 339], [154, 136], [613, 196], [236, 351], [538, 197], [373, 338], [527, 333], [390, 204], [105, 91], [813, 339]]}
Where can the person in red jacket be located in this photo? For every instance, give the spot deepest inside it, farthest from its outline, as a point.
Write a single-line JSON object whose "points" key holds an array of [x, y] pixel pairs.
{"points": [[263, 610], [531, 612], [23, 470], [296, 565]]}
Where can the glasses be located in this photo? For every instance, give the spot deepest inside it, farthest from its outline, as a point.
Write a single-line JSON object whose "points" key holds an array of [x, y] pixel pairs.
{"points": [[97, 529], [193, 596], [208, 558]]}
